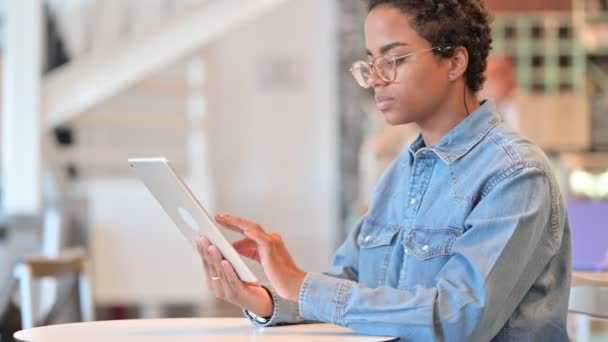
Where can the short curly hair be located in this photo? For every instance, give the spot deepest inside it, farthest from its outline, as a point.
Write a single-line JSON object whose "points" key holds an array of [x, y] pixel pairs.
{"points": [[451, 23]]}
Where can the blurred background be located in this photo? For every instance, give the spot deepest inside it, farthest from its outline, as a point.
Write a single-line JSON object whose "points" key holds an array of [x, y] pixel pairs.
{"points": [[253, 104]]}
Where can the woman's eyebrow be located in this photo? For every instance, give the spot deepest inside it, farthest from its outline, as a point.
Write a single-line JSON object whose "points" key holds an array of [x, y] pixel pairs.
{"points": [[386, 48]]}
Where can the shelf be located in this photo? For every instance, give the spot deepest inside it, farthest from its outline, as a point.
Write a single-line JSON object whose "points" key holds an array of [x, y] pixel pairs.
{"points": [[591, 161], [597, 18], [598, 75], [599, 52]]}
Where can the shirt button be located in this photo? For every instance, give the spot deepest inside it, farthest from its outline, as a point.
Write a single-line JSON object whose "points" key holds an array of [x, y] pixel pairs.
{"points": [[368, 238], [407, 251], [425, 248], [413, 201]]}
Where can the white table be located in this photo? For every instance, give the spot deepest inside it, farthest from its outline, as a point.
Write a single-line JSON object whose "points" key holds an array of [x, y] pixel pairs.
{"points": [[189, 329]]}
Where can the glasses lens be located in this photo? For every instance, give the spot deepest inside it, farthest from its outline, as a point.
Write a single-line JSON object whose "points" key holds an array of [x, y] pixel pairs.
{"points": [[361, 72], [386, 69]]}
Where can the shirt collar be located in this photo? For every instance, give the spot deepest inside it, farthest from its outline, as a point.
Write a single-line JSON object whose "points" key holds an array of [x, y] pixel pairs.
{"points": [[462, 138]]}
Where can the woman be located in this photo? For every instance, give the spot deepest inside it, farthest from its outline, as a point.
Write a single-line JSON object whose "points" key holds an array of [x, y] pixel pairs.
{"points": [[466, 238]]}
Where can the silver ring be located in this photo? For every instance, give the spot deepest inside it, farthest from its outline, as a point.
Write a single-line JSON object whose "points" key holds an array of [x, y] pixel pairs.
{"points": [[215, 278]]}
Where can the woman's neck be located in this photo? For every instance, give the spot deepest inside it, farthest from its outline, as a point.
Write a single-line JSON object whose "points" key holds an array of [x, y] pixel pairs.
{"points": [[447, 116]]}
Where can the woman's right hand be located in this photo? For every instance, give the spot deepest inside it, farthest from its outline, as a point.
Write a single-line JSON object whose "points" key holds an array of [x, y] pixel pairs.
{"points": [[226, 285]]}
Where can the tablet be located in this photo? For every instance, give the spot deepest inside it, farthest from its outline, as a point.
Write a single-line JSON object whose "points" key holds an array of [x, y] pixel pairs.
{"points": [[184, 209]]}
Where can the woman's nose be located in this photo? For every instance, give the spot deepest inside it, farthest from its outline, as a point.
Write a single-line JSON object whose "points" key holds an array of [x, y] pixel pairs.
{"points": [[374, 79]]}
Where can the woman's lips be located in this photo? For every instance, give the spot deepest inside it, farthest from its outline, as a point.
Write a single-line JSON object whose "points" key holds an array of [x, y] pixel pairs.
{"points": [[383, 103]]}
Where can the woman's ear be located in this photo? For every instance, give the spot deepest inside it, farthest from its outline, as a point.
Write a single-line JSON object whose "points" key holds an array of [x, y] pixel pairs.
{"points": [[459, 63]]}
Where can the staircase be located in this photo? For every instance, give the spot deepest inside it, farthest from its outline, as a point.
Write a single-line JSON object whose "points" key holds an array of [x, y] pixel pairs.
{"points": [[129, 91], [126, 85], [96, 76]]}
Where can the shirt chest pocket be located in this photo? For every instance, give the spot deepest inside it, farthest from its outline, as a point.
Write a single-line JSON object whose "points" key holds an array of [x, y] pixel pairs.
{"points": [[426, 243], [427, 250], [376, 240]]}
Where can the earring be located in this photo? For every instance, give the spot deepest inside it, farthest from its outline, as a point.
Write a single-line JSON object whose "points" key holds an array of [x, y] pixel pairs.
{"points": [[452, 77]]}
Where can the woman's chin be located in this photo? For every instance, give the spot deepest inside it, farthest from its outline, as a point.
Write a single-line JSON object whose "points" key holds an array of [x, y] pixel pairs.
{"points": [[395, 118]]}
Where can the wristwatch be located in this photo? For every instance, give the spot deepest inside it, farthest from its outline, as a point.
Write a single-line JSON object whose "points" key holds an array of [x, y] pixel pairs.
{"points": [[261, 320]]}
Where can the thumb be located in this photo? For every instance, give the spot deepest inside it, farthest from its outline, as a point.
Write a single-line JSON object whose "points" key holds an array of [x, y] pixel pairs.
{"points": [[257, 235]]}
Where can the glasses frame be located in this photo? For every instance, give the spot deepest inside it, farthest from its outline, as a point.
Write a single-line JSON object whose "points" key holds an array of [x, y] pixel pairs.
{"points": [[391, 60]]}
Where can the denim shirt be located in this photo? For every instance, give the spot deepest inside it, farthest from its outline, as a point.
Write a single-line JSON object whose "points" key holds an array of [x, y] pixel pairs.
{"points": [[466, 240]]}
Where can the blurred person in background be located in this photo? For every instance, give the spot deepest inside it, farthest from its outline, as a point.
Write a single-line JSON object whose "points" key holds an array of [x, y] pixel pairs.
{"points": [[501, 87], [466, 237]]}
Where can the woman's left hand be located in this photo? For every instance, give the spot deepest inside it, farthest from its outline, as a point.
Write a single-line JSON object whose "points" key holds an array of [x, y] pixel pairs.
{"points": [[270, 251]]}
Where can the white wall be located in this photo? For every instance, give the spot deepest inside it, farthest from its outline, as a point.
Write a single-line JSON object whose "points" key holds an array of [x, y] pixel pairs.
{"points": [[272, 126], [272, 143], [139, 257]]}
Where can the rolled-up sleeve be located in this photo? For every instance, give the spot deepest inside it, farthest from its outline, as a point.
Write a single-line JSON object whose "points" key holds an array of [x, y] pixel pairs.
{"points": [[511, 235], [344, 266], [284, 312]]}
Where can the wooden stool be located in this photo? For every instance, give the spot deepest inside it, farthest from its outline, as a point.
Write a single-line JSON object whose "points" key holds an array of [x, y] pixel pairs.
{"points": [[71, 261]]}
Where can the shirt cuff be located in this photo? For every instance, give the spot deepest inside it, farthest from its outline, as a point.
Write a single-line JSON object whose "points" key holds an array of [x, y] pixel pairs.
{"points": [[323, 298], [283, 312]]}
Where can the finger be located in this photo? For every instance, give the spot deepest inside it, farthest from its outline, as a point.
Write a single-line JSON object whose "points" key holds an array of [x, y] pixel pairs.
{"points": [[202, 244], [214, 261], [202, 241], [248, 248], [244, 243], [232, 279], [230, 292], [258, 236], [237, 224], [251, 253], [248, 228]]}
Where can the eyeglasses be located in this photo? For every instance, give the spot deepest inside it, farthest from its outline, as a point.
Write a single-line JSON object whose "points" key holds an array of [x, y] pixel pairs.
{"points": [[385, 67]]}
